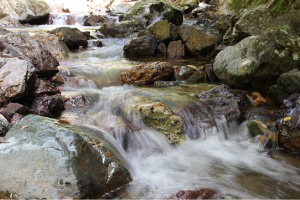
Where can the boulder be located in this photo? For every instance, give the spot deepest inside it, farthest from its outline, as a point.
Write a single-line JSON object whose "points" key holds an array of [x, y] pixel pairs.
{"points": [[21, 45], [54, 44], [48, 106], [4, 125], [261, 21], [121, 29], [143, 74], [141, 47], [287, 84], [288, 126], [47, 159], [97, 20], [176, 49], [26, 11], [149, 11], [159, 117], [254, 63], [72, 37], [196, 40], [163, 30], [206, 193], [9, 22], [17, 79], [190, 74]]}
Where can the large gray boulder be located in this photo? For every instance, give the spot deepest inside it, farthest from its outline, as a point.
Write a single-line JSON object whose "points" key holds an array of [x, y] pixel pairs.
{"points": [[196, 40], [24, 10], [252, 63], [21, 45], [121, 29], [44, 158], [149, 11], [16, 78]]}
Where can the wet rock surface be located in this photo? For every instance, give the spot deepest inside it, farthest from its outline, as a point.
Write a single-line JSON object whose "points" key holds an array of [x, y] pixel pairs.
{"points": [[148, 73], [217, 105], [72, 37], [78, 102], [97, 20], [195, 194], [190, 74], [144, 46], [12, 109], [48, 106], [58, 161], [21, 45], [159, 117]]}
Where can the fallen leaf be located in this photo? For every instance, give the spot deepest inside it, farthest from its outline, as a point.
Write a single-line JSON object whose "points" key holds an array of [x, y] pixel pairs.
{"points": [[286, 119], [258, 99], [108, 154], [51, 38], [64, 122]]}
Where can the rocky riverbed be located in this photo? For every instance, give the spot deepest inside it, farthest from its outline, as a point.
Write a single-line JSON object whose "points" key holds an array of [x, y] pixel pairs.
{"points": [[150, 99]]}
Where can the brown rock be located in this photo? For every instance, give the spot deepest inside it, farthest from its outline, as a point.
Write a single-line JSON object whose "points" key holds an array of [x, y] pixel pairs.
{"points": [[44, 86], [176, 49], [48, 106], [195, 194], [148, 73], [141, 47], [190, 74], [15, 108]]}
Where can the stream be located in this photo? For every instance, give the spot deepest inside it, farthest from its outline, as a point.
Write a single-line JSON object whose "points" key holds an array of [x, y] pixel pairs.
{"points": [[223, 158]]}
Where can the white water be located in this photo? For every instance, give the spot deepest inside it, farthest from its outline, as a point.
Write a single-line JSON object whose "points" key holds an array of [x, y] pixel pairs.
{"points": [[229, 163]]}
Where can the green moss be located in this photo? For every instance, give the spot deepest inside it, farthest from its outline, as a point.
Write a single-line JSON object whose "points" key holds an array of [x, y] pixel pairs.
{"points": [[276, 7]]}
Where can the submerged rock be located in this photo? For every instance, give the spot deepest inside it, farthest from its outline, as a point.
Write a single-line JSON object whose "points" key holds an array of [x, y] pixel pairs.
{"points": [[57, 161], [25, 11], [195, 194], [161, 118], [121, 29], [148, 73], [196, 40], [149, 11], [254, 63], [21, 45], [54, 44], [77, 102], [17, 79], [141, 47], [72, 37]]}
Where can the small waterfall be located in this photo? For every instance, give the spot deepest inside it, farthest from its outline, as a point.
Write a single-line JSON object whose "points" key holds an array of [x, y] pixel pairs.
{"points": [[63, 19]]}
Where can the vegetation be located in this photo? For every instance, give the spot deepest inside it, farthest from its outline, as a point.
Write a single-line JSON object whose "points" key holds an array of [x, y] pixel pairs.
{"points": [[276, 6]]}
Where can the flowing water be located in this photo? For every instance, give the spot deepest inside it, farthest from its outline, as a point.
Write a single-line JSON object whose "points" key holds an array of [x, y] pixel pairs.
{"points": [[223, 158]]}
